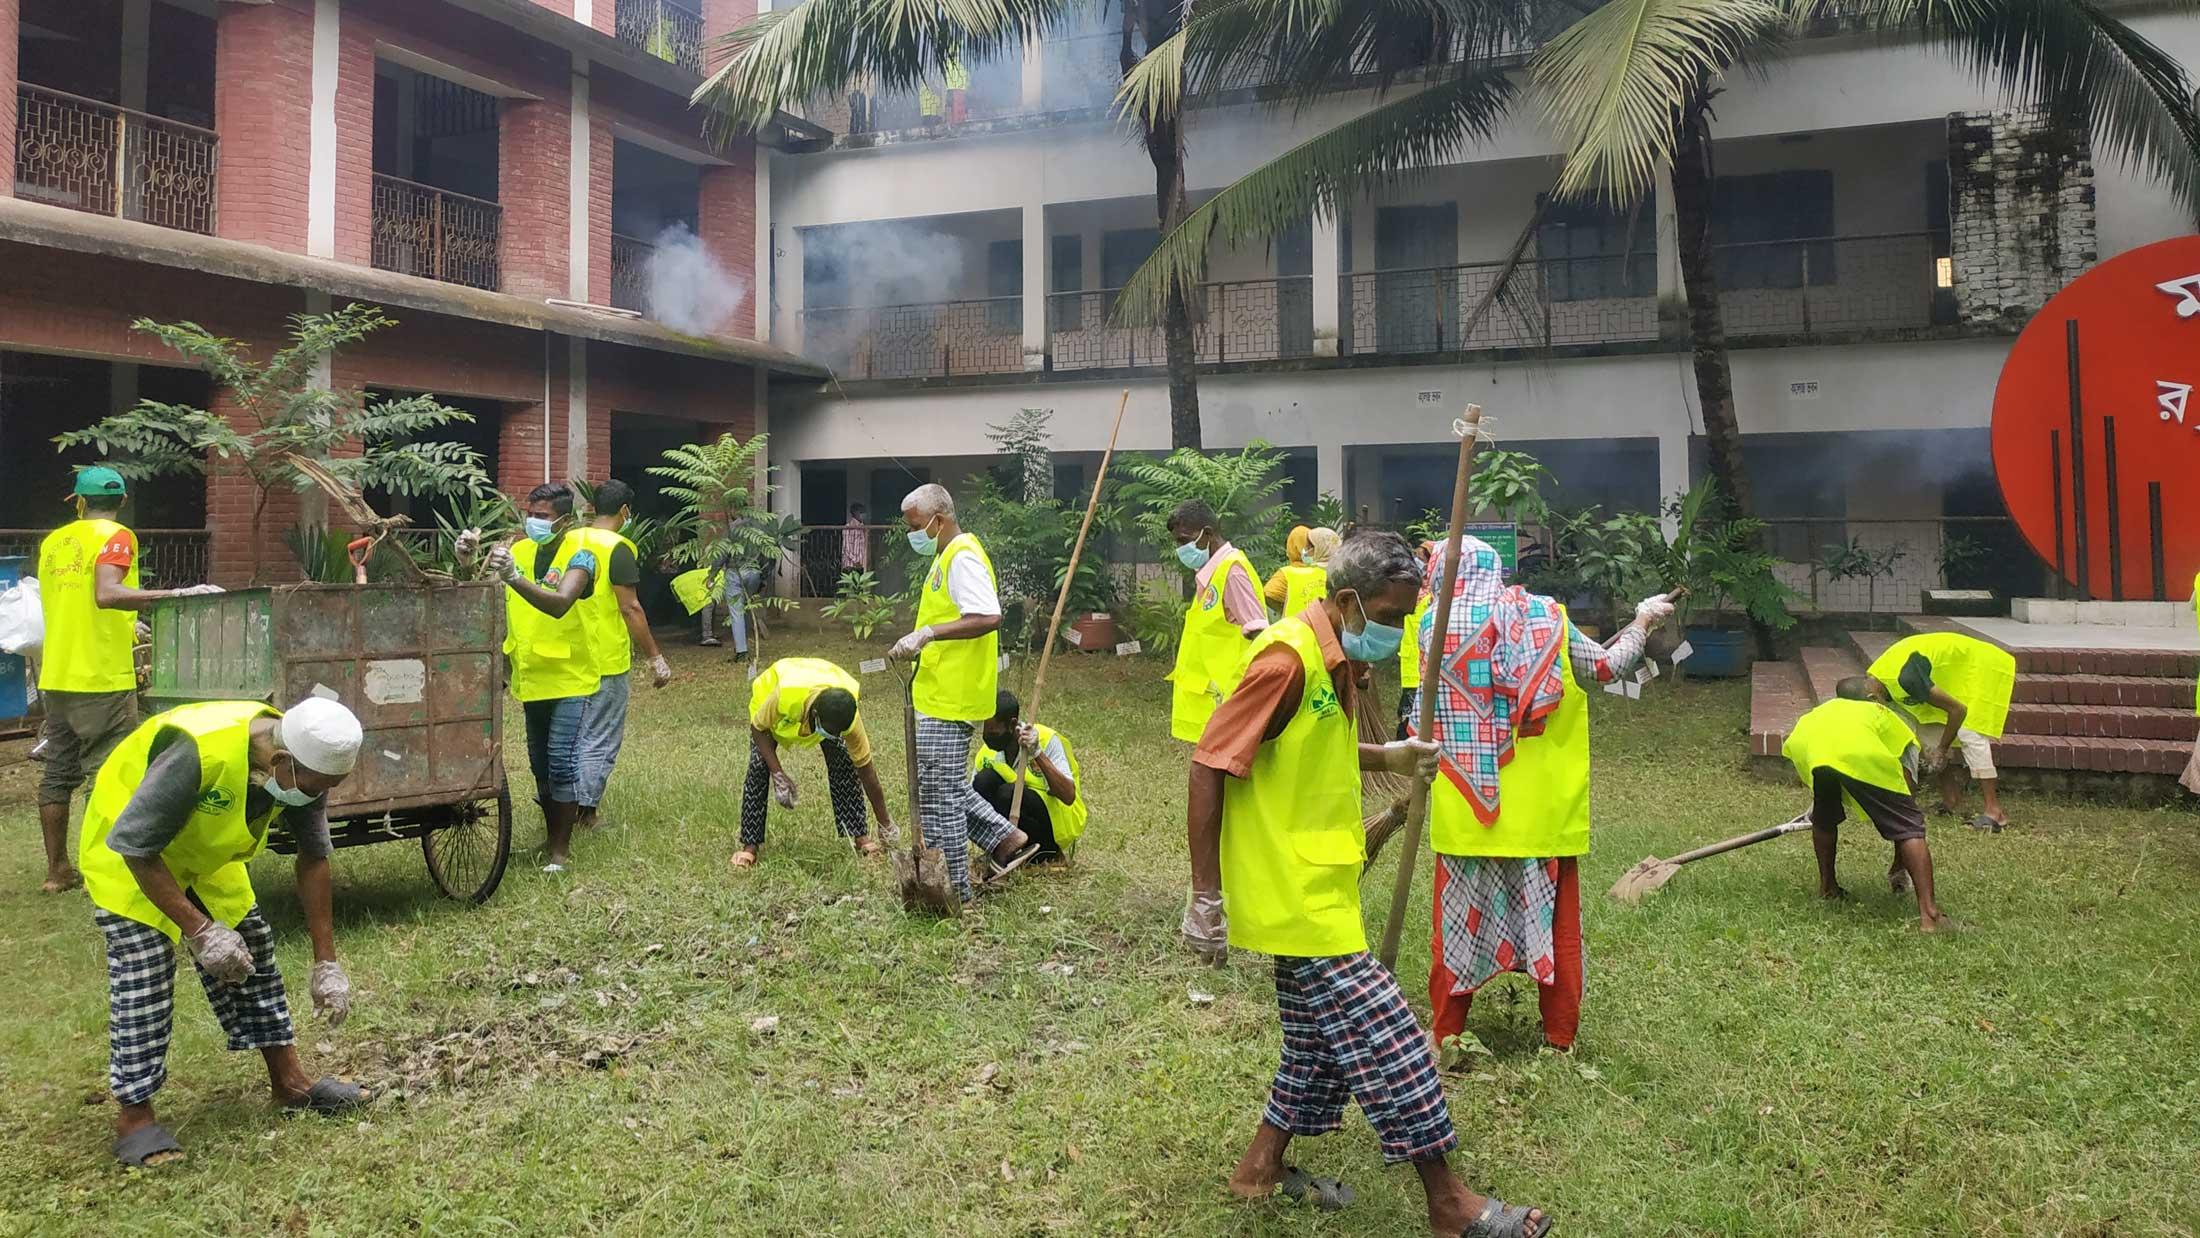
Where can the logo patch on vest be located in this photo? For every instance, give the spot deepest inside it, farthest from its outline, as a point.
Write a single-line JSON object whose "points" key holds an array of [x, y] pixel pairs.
{"points": [[1325, 702], [215, 801]]}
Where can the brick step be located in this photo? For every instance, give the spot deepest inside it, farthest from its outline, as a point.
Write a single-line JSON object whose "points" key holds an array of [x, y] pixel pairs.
{"points": [[2104, 722], [1779, 693], [2142, 663], [1869, 645], [1824, 666], [2130, 691], [2076, 752]]}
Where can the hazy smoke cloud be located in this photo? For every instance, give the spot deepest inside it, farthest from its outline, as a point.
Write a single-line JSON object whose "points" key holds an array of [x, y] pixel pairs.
{"points": [[688, 290], [885, 264]]}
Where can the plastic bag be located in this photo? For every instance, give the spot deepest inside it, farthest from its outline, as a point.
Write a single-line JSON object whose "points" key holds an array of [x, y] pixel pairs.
{"points": [[22, 618]]}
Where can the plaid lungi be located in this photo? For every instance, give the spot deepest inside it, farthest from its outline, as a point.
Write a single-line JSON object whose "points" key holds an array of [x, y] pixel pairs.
{"points": [[141, 1002], [949, 811], [1348, 1034]]}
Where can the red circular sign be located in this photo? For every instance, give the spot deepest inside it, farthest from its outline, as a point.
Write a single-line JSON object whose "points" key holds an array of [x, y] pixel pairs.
{"points": [[2097, 425]]}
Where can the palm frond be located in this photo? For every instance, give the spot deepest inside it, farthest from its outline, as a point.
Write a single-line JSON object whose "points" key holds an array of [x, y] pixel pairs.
{"points": [[1404, 135], [1613, 83]]}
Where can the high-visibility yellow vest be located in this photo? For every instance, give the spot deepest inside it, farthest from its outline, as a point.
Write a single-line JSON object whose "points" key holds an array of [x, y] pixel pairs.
{"points": [[1303, 585], [87, 649], [1211, 656], [1542, 795], [208, 856], [1292, 841], [608, 640], [797, 681], [2196, 616], [1068, 819], [692, 587], [1862, 739], [957, 680], [550, 657], [1980, 675], [1409, 649]]}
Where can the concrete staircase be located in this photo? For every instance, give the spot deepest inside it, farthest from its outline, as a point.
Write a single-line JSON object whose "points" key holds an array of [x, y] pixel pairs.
{"points": [[2076, 711]]}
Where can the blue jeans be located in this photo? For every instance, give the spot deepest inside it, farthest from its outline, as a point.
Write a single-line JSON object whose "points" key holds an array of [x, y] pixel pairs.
{"points": [[603, 729], [553, 747]]}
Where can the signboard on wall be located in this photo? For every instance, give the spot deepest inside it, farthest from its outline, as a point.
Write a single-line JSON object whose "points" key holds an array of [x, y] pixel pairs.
{"points": [[1502, 536]]}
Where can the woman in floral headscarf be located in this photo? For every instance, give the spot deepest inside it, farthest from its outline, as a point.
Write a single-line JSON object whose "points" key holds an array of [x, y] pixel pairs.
{"points": [[1509, 818]]}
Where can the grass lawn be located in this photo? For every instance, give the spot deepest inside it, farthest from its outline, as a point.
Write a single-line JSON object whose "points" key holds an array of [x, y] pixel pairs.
{"points": [[580, 1056]]}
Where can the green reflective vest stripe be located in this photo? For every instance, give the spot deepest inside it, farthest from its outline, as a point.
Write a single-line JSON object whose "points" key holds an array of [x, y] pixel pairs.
{"points": [[1303, 585], [1211, 656], [1862, 739], [208, 856], [797, 681], [1409, 649], [1981, 675], [1068, 819], [1292, 841], [957, 680], [550, 657], [608, 640], [87, 649], [1542, 793]]}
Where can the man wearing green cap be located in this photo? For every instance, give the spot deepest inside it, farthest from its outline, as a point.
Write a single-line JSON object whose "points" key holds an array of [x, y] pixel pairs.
{"points": [[88, 590]]}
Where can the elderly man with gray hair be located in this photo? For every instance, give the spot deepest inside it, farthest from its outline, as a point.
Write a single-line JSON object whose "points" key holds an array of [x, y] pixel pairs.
{"points": [[957, 646]]}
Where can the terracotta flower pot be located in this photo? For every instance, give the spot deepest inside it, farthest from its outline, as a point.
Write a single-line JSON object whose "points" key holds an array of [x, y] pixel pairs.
{"points": [[1095, 632]]}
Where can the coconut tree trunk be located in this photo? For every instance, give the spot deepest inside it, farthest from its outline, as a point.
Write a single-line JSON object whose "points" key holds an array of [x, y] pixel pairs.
{"points": [[1158, 20]]}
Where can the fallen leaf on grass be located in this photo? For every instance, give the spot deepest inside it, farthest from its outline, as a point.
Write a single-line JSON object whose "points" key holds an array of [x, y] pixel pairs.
{"points": [[1071, 1151], [988, 1073]]}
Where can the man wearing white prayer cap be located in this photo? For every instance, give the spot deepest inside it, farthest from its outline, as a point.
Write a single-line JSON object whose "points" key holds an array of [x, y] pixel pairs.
{"points": [[177, 810]]}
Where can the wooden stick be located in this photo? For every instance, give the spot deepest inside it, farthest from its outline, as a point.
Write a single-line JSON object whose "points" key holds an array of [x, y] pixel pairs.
{"points": [[1061, 600], [1417, 807]]}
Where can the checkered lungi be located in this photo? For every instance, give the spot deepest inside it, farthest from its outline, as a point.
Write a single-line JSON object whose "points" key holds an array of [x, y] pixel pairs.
{"points": [[141, 1002], [949, 810], [1348, 1033], [840, 782]]}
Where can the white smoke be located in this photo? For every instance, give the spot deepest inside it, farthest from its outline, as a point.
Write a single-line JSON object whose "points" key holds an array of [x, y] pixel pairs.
{"points": [[891, 263], [688, 290]]}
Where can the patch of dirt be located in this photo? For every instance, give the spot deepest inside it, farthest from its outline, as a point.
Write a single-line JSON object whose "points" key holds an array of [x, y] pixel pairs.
{"points": [[507, 1048]]}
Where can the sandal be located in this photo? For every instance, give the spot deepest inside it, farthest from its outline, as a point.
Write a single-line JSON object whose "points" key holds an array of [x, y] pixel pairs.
{"points": [[137, 1148], [1502, 1220], [743, 860], [330, 1095], [1985, 824], [1002, 868], [1327, 1194], [867, 845]]}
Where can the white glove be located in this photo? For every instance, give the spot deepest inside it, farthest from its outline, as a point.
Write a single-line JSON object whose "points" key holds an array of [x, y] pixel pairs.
{"points": [[331, 990], [1027, 737], [466, 545], [911, 645], [1414, 757], [500, 564], [1206, 927], [220, 952], [1936, 759], [660, 671], [192, 591], [783, 790], [1653, 611]]}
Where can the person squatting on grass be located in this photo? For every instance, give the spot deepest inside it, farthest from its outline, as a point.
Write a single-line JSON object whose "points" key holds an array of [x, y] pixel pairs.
{"points": [[1855, 750], [616, 626], [1054, 808], [1956, 689], [176, 812], [957, 646], [1276, 857], [1509, 817], [1225, 615], [803, 703]]}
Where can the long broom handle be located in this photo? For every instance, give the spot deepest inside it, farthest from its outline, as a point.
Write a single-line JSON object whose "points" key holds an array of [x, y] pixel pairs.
{"points": [[1745, 840], [1061, 600], [1417, 805]]}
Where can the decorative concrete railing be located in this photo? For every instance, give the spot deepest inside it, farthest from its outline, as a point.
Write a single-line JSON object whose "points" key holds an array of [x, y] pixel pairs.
{"points": [[436, 234], [91, 156]]}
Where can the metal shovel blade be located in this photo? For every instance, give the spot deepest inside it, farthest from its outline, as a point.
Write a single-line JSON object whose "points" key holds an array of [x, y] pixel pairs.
{"points": [[921, 872], [1649, 875]]}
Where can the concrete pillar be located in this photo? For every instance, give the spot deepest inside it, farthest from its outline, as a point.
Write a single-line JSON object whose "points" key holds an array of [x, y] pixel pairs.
{"points": [[1329, 466], [322, 140], [580, 171], [1037, 258], [137, 45], [787, 325], [1672, 469], [767, 277], [122, 386], [1670, 289], [1328, 286], [10, 42], [1034, 79], [583, 456], [264, 57]]}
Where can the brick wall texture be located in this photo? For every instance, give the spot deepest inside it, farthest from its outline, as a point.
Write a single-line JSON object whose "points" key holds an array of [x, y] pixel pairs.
{"points": [[2020, 213], [263, 101], [10, 35]]}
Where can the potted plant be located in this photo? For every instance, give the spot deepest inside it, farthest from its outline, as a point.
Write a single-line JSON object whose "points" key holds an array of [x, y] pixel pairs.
{"points": [[1721, 560], [1094, 593]]}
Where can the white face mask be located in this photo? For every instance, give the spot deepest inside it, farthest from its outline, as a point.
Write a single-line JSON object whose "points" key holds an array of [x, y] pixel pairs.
{"points": [[288, 797]]}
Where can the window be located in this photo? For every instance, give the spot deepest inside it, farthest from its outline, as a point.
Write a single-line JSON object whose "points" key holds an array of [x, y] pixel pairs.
{"points": [[1752, 218], [1004, 287], [1590, 251], [1122, 252]]}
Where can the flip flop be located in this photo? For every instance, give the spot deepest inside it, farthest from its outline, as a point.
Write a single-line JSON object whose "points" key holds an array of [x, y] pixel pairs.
{"points": [[1502, 1220], [1002, 869], [136, 1147], [742, 861], [1327, 1194], [1985, 824], [331, 1095]]}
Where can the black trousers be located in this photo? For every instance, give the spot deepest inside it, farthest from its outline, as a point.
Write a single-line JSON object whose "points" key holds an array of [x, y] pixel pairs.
{"points": [[997, 791]]}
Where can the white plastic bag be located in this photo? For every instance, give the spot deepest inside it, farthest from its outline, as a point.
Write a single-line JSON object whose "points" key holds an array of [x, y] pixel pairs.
{"points": [[22, 619]]}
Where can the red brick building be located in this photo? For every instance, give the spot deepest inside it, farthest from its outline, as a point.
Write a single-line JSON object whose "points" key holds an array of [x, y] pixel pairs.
{"points": [[493, 172]]}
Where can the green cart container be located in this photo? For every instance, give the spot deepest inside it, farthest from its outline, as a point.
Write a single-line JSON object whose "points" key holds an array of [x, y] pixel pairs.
{"points": [[421, 666]]}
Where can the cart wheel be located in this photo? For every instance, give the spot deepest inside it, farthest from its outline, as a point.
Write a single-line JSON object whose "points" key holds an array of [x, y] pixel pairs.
{"points": [[467, 857]]}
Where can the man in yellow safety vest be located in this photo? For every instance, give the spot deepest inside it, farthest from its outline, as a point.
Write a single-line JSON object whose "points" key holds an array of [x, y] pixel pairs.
{"points": [[1854, 750], [1225, 615], [1277, 847], [957, 646], [616, 627], [803, 703], [1956, 689], [1054, 810], [184, 801], [87, 676]]}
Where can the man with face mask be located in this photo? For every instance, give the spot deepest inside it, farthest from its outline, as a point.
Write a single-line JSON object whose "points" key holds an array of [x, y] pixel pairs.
{"points": [[176, 812], [957, 646], [616, 626], [1225, 615], [88, 591], [1054, 808], [1277, 847]]}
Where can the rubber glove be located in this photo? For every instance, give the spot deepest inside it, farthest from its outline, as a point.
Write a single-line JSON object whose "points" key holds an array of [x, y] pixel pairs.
{"points": [[783, 790], [911, 645], [1206, 927], [500, 564], [1652, 611], [1413, 757], [1027, 738], [220, 952], [660, 671], [192, 591], [331, 990], [466, 545]]}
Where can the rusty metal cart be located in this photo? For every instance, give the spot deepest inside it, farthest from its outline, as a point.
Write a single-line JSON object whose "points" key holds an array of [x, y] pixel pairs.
{"points": [[419, 664]]}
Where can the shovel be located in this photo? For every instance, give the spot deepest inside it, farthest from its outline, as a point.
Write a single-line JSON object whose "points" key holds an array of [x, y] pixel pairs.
{"points": [[921, 871], [1653, 873]]}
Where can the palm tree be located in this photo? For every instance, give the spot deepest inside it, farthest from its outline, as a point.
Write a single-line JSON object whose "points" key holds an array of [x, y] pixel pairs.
{"points": [[1628, 88], [783, 58]]}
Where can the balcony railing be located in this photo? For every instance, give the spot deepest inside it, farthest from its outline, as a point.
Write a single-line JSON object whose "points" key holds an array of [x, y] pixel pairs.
{"points": [[1882, 282], [918, 341], [92, 156], [167, 558], [436, 234], [1553, 302], [1242, 320], [630, 272], [669, 31]]}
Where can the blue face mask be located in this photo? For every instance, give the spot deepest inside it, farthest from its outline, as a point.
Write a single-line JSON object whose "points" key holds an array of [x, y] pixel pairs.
{"points": [[923, 542], [538, 529], [1374, 642], [1190, 555]]}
